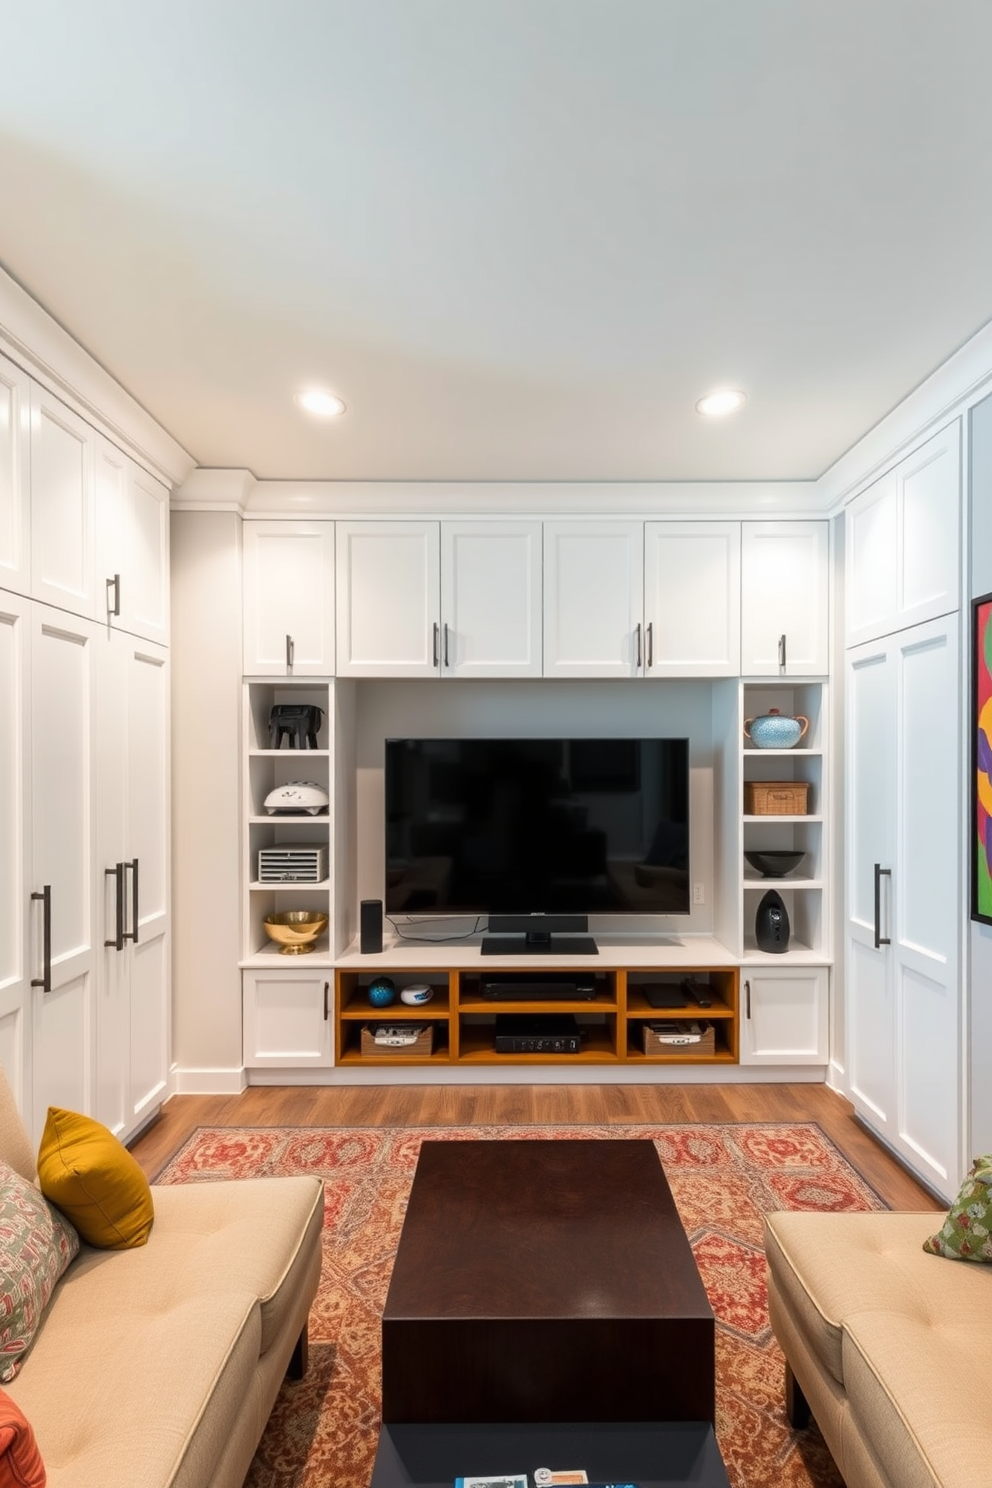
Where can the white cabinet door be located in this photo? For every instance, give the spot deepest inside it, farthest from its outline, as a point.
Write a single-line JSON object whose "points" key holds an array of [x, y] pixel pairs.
{"points": [[289, 586], [132, 1000], [784, 599], [147, 849], [388, 599], [287, 1019], [132, 545], [692, 591], [905, 895], [593, 599], [17, 912], [903, 540], [62, 518], [15, 494], [62, 861], [785, 1016], [491, 599]]}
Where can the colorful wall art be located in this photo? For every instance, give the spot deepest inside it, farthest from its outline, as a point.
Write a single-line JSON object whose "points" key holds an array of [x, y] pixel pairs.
{"points": [[981, 784]]}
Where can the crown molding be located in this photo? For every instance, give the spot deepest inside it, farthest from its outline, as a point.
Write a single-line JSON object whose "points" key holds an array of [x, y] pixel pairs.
{"points": [[237, 490], [37, 343], [950, 391]]}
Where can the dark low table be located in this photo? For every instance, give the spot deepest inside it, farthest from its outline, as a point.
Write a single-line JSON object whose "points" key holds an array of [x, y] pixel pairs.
{"points": [[650, 1454], [545, 1281]]}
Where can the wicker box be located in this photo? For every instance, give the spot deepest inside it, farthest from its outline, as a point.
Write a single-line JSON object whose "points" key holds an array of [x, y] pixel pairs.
{"points": [[420, 1049], [655, 1044], [776, 797]]}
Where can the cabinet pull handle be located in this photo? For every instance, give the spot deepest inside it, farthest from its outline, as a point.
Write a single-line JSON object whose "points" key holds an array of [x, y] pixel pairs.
{"points": [[117, 872], [880, 872], [45, 980], [747, 998], [435, 642], [650, 635], [115, 584], [290, 648], [133, 934], [637, 632], [781, 652], [446, 661], [327, 988]]}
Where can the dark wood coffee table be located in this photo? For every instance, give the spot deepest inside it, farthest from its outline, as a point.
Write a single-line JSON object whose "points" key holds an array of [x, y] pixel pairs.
{"points": [[650, 1454], [545, 1281]]}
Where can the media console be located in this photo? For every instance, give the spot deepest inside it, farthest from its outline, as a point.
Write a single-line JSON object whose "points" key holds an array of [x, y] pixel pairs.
{"points": [[610, 1005]]}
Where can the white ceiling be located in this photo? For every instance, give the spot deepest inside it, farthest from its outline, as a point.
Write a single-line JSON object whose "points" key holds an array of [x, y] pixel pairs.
{"points": [[520, 238]]}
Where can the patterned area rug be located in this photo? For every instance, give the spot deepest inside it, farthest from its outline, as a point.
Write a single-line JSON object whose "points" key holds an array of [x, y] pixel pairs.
{"points": [[323, 1430]]}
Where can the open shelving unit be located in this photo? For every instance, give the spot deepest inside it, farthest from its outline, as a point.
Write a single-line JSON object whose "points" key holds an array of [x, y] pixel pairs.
{"points": [[464, 1019]]}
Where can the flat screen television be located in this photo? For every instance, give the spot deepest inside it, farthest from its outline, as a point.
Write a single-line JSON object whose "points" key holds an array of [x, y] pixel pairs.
{"points": [[556, 827]]}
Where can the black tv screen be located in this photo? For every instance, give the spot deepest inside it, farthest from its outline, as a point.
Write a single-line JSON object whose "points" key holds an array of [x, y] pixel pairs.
{"points": [[537, 826]]}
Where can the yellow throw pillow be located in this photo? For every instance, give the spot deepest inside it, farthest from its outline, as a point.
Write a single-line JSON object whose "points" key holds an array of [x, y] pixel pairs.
{"points": [[87, 1173]]}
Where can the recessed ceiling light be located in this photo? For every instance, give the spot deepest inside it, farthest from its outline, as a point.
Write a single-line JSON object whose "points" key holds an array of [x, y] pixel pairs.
{"points": [[323, 405], [726, 400]]}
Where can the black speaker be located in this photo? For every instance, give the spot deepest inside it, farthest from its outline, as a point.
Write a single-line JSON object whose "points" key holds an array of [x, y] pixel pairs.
{"points": [[370, 927], [771, 923]]}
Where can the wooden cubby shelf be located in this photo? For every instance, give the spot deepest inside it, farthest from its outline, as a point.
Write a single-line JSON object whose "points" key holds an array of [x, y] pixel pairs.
{"points": [[463, 1020]]}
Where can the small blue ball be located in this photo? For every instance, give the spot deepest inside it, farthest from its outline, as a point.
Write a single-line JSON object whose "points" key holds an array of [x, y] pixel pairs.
{"points": [[382, 991]]}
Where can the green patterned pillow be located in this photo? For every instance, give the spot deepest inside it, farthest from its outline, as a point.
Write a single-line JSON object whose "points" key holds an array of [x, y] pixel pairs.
{"points": [[36, 1245], [966, 1234]]}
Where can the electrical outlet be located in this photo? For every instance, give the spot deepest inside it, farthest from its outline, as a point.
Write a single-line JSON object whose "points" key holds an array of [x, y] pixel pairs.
{"points": [[698, 894]]}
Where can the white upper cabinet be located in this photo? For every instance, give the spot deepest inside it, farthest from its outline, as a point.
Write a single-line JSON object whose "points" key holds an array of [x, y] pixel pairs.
{"points": [[903, 540], [692, 592], [593, 599], [289, 599], [15, 492], [491, 599], [784, 599], [132, 545], [62, 506], [388, 599], [439, 599]]}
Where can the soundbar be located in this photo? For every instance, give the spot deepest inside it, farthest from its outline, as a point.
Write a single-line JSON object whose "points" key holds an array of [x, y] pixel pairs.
{"points": [[535, 987]]}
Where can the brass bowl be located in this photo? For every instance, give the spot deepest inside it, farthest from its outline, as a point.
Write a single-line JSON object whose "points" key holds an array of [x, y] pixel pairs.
{"points": [[295, 931]]}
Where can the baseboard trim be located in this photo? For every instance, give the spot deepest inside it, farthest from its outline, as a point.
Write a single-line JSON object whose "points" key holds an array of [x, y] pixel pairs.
{"points": [[209, 1081]]}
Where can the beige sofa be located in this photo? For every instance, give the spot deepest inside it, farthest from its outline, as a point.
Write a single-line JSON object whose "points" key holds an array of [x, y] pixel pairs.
{"points": [[158, 1367], [887, 1344]]}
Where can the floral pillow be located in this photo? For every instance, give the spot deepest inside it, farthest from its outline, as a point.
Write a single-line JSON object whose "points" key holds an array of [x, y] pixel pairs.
{"points": [[36, 1245], [966, 1234]]}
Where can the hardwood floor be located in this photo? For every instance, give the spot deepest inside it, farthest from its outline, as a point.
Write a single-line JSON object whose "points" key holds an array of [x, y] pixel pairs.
{"points": [[504, 1105]]}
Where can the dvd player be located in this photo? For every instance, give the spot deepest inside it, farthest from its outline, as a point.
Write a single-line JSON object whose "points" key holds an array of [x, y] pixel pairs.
{"points": [[537, 1033], [537, 987]]}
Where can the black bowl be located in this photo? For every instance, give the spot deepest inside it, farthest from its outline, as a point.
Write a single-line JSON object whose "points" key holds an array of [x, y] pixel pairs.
{"points": [[774, 864]]}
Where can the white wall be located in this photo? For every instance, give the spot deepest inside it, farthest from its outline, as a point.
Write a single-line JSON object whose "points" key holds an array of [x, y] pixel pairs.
{"points": [[980, 1040], [206, 797]]}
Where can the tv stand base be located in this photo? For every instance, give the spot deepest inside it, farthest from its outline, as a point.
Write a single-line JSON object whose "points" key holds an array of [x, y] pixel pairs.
{"points": [[526, 945]]}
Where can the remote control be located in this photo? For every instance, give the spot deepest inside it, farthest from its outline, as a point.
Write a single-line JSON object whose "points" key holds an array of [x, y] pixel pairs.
{"points": [[697, 992]]}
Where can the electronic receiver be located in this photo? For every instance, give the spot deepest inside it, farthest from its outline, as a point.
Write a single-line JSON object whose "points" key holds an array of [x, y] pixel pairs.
{"points": [[538, 987], [537, 1033]]}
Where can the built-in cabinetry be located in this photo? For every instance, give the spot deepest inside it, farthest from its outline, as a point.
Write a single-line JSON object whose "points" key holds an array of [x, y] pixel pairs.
{"points": [[903, 542], [288, 569], [642, 599], [903, 811], [84, 766], [784, 599], [448, 599], [286, 1013], [463, 1026]]}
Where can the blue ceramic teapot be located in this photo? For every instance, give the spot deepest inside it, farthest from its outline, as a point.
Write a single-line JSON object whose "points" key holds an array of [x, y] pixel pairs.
{"points": [[774, 730]]}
